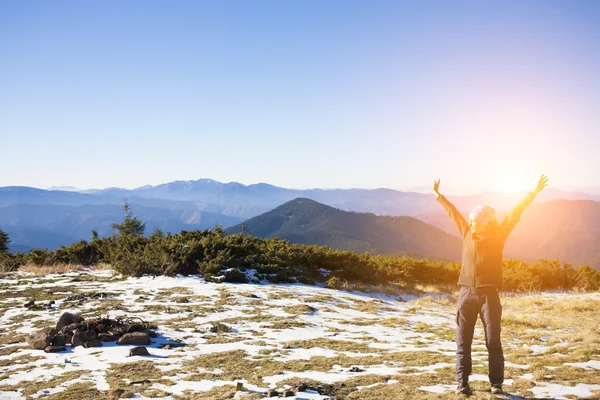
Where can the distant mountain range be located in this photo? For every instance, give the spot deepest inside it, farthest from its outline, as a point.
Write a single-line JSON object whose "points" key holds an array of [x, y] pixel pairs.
{"points": [[50, 218], [247, 201], [305, 221]]}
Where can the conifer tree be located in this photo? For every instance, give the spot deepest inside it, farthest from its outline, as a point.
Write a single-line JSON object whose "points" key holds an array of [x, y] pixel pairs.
{"points": [[4, 241], [131, 225]]}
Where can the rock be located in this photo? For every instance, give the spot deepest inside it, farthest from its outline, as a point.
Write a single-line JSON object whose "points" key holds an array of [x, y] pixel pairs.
{"points": [[288, 393], [239, 386], [218, 327], [136, 328], [107, 337], [52, 302], [38, 340], [68, 319], [92, 343], [272, 393], [55, 349], [30, 303], [138, 351], [59, 340], [77, 340], [69, 337], [80, 337], [71, 328], [152, 334], [118, 331], [138, 338], [356, 369], [140, 382]]}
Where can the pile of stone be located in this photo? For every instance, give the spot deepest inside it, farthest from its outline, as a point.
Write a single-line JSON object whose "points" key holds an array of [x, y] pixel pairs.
{"points": [[82, 297], [292, 390], [31, 306], [74, 330]]}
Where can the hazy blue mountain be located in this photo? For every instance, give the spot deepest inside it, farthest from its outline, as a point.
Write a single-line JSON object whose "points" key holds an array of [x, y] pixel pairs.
{"points": [[64, 188], [247, 201], [205, 202], [49, 226], [24, 240], [306, 221]]}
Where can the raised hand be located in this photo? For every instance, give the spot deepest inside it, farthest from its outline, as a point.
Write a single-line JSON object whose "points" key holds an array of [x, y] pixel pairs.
{"points": [[542, 183], [436, 186]]}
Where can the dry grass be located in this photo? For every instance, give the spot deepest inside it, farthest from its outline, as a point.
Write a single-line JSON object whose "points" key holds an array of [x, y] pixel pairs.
{"points": [[217, 393], [81, 390], [446, 302], [325, 343], [281, 324], [437, 289], [300, 309], [120, 377], [62, 268]]}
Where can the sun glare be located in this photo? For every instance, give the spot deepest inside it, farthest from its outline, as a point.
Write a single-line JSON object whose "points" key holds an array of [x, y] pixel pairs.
{"points": [[514, 183]]}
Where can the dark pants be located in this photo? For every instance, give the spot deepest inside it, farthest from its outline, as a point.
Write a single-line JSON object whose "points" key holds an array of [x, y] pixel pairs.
{"points": [[485, 302]]}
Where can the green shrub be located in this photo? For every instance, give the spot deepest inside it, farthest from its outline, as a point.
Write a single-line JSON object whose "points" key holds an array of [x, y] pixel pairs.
{"points": [[212, 253]]}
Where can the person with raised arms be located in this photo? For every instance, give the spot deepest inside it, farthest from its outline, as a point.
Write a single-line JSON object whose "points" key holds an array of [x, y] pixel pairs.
{"points": [[480, 281]]}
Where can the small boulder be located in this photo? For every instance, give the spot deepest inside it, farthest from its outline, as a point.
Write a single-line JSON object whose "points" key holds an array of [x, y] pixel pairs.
{"points": [[80, 337], [92, 343], [138, 338], [288, 393], [107, 337], [136, 328], [152, 334], [356, 369], [38, 340], [272, 393], [68, 337], [59, 340], [138, 351], [55, 349], [68, 319], [218, 327], [117, 331], [30, 303], [70, 328]]}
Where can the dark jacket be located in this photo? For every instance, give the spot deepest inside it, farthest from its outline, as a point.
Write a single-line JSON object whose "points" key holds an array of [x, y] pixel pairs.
{"points": [[482, 252]]}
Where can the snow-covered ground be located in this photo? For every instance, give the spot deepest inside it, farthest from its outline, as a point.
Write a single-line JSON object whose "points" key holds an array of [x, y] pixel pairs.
{"points": [[291, 332]]}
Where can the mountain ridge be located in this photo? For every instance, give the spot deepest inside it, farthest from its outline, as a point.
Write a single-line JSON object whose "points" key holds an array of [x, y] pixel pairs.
{"points": [[306, 221]]}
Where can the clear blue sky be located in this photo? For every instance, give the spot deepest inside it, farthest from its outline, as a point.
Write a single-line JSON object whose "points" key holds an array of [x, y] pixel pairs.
{"points": [[482, 94]]}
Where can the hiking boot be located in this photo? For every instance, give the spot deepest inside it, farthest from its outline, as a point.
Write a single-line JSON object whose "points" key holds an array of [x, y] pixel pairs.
{"points": [[496, 389], [464, 388]]}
